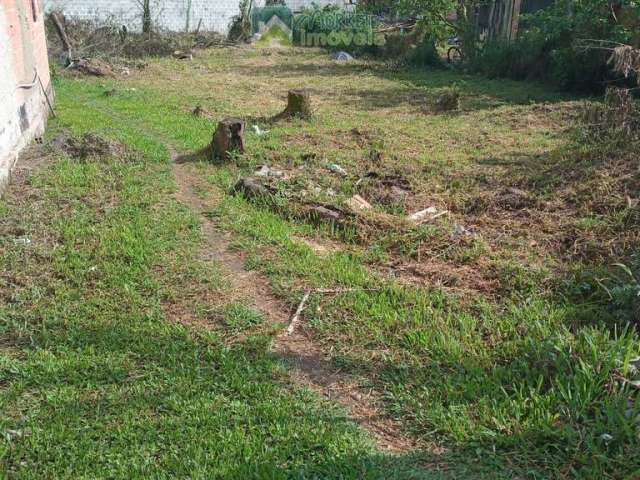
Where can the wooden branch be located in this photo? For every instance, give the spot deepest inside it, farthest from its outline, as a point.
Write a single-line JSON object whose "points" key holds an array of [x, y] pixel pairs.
{"points": [[296, 318], [55, 16]]}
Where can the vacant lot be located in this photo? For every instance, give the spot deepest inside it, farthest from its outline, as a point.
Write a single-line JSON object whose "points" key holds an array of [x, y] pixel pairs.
{"points": [[144, 300]]}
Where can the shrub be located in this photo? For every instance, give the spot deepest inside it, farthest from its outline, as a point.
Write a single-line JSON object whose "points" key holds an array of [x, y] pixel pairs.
{"points": [[552, 48], [265, 14], [425, 55]]}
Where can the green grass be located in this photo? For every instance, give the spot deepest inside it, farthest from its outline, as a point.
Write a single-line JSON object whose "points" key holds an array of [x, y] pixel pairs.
{"points": [[96, 383], [523, 379]]}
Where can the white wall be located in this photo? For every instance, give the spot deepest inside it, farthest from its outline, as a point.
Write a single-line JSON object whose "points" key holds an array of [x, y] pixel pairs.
{"points": [[9, 124], [167, 14], [171, 15], [23, 109]]}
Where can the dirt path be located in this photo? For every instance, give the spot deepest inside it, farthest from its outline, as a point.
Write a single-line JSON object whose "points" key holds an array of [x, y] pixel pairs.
{"points": [[309, 364]]}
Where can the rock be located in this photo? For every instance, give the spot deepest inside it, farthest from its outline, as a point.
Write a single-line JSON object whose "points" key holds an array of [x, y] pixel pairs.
{"points": [[266, 171], [326, 212], [357, 203], [183, 55], [252, 187], [341, 57]]}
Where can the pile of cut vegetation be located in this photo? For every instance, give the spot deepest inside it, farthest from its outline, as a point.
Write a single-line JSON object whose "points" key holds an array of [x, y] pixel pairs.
{"points": [[104, 48]]}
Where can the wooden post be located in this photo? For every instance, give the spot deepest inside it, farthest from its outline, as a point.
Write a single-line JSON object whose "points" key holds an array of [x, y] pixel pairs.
{"points": [[228, 139]]}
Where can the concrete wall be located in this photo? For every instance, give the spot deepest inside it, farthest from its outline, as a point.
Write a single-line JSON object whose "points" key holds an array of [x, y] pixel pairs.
{"points": [[23, 53], [170, 15]]}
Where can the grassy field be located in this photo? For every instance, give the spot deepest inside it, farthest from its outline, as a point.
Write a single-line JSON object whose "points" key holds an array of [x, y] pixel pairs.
{"points": [[500, 336]]}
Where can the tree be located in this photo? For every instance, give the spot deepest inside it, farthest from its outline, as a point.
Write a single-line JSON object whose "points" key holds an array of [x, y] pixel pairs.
{"points": [[145, 6]]}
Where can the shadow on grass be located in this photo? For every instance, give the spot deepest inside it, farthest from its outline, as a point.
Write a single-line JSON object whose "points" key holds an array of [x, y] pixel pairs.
{"points": [[410, 86], [104, 397]]}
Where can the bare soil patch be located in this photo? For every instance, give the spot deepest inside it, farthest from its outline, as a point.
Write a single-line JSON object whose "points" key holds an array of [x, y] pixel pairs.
{"points": [[310, 366]]}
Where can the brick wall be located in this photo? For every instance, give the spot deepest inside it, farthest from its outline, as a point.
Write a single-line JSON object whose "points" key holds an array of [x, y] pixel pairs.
{"points": [[170, 15], [23, 54]]}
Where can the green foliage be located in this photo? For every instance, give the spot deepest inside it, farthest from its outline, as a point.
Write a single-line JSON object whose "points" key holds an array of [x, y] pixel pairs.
{"points": [[240, 28], [553, 46], [432, 13], [265, 14], [615, 288]]}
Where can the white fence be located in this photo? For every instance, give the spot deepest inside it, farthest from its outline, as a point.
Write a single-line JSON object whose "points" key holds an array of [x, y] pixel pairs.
{"points": [[173, 15]]}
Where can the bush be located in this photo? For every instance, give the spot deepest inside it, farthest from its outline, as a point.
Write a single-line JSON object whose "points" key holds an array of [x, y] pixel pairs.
{"points": [[425, 55], [552, 48], [265, 14]]}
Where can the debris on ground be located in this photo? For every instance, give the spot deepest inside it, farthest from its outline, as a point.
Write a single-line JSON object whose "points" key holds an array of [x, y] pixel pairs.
{"points": [[427, 215], [342, 57], [92, 67], [514, 199], [295, 319], [259, 131], [266, 171], [69, 38], [335, 168], [462, 231], [325, 212], [252, 187], [89, 146], [388, 190], [183, 55], [357, 203], [200, 111], [22, 241]]}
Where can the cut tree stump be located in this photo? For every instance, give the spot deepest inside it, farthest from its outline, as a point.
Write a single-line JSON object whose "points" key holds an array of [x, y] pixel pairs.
{"points": [[298, 104], [228, 139]]}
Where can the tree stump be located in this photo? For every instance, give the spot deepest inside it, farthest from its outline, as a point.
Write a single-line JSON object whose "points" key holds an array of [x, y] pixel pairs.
{"points": [[228, 139], [299, 104]]}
